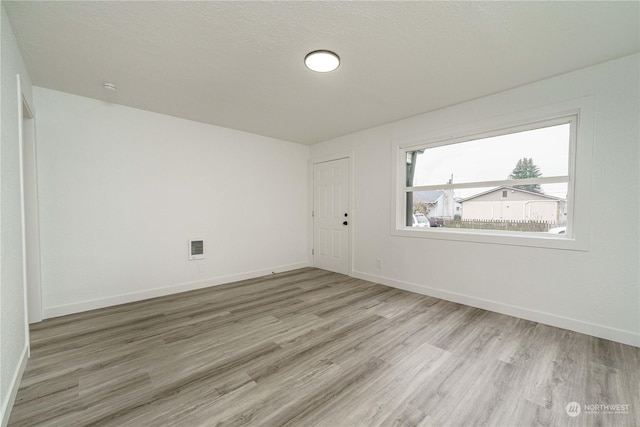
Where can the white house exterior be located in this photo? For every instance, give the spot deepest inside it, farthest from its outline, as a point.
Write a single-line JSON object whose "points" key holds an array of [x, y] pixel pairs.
{"points": [[441, 203], [513, 204]]}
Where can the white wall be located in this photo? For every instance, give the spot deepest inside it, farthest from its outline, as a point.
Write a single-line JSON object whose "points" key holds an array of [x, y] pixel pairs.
{"points": [[595, 292], [13, 332], [122, 190]]}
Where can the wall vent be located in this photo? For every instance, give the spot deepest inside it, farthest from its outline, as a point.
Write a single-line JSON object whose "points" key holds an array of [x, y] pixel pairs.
{"points": [[196, 249]]}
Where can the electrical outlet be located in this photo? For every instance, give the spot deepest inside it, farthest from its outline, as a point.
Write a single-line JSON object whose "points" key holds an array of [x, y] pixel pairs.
{"points": [[378, 263]]}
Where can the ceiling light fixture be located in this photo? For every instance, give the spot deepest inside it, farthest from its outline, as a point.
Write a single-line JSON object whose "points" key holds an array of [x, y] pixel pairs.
{"points": [[322, 61], [110, 87]]}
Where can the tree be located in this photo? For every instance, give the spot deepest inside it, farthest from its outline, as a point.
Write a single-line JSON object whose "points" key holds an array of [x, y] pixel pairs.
{"points": [[525, 168], [421, 207]]}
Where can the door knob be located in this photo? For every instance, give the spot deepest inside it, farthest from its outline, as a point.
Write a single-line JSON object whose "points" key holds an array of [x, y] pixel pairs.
{"points": [[345, 223]]}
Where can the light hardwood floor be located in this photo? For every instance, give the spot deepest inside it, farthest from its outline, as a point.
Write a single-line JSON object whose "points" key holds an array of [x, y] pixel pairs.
{"points": [[313, 348]]}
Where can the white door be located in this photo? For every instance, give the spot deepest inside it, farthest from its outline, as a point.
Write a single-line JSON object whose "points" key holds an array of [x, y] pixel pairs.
{"points": [[331, 217]]}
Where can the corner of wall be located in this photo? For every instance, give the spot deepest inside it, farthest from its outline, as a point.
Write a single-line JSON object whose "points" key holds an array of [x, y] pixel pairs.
{"points": [[13, 325]]}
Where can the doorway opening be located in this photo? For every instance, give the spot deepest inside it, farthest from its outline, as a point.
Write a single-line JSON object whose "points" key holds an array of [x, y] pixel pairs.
{"points": [[30, 218]]}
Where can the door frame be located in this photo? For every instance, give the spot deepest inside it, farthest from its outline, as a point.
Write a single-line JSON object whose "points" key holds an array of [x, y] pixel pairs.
{"points": [[31, 275], [352, 211]]}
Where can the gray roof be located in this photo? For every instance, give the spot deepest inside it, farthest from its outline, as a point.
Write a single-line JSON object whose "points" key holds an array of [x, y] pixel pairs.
{"points": [[427, 196], [512, 188]]}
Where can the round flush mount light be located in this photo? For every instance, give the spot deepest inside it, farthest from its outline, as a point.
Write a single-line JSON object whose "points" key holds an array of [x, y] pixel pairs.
{"points": [[322, 61], [110, 87]]}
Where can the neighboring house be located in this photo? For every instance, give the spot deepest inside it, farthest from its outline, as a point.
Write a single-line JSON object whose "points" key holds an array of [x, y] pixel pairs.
{"points": [[441, 203], [514, 204]]}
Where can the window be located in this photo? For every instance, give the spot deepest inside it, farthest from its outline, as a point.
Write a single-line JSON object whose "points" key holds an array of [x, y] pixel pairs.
{"points": [[510, 184]]}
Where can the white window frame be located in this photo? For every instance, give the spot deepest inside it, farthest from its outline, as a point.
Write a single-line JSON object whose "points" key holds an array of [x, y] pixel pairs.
{"points": [[581, 115]]}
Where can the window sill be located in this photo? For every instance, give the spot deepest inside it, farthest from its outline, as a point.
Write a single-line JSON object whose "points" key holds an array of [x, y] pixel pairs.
{"points": [[534, 240]]}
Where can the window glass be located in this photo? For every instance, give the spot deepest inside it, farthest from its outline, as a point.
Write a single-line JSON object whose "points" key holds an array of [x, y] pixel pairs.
{"points": [[514, 182], [494, 158]]}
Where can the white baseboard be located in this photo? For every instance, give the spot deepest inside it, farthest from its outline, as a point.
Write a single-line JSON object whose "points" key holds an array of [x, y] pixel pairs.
{"points": [[600, 331], [63, 310], [10, 398]]}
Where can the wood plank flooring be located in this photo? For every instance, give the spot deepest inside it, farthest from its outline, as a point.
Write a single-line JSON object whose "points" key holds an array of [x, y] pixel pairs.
{"points": [[314, 348]]}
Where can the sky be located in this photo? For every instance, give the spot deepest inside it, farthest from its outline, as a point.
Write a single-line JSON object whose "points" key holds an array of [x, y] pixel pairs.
{"points": [[491, 159]]}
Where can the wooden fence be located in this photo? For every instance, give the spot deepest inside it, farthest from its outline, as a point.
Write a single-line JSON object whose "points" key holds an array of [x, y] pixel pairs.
{"points": [[511, 225]]}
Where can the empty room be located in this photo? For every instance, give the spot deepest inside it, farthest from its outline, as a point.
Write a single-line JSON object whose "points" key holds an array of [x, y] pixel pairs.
{"points": [[319, 213]]}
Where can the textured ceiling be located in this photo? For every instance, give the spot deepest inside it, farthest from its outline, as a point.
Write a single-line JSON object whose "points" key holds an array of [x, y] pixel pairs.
{"points": [[240, 64]]}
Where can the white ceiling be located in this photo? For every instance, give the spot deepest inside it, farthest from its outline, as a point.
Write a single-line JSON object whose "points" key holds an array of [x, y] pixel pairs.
{"points": [[240, 64]]}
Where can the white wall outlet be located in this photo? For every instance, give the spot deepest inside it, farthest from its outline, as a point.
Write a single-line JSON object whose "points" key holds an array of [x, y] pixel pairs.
{"points": [[378, 263]]}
